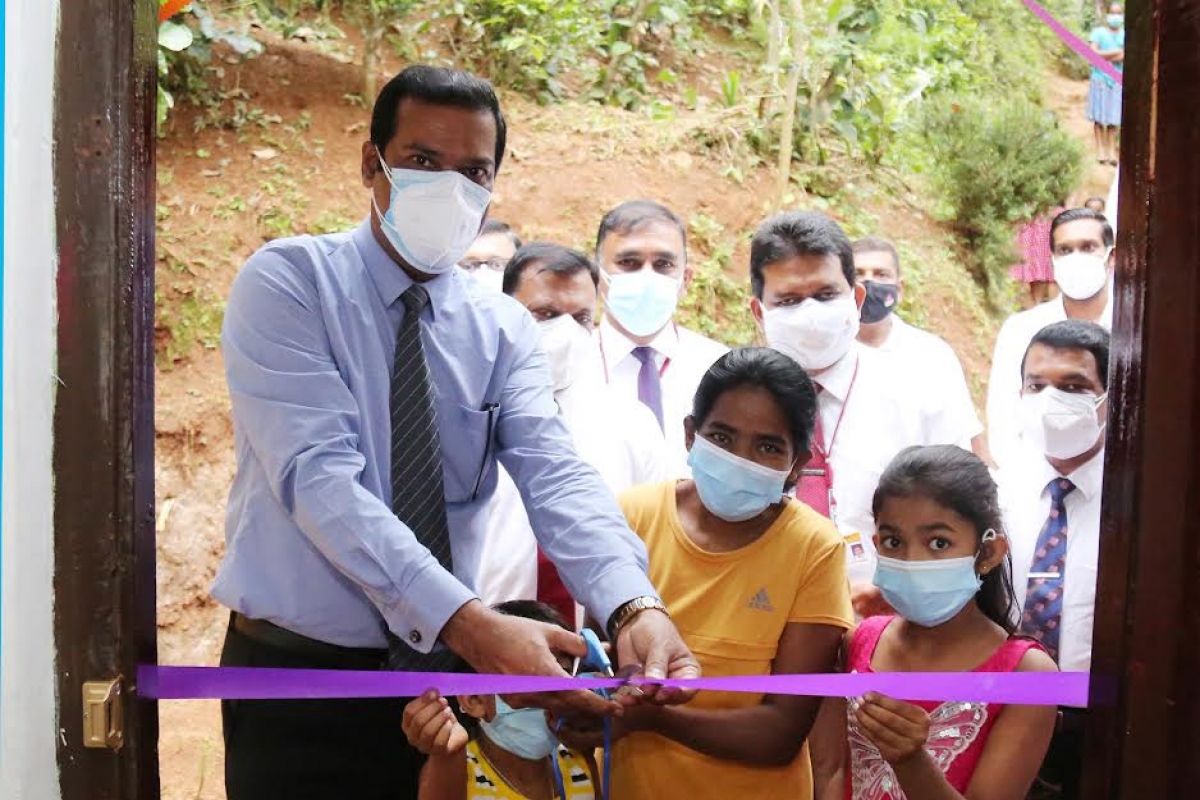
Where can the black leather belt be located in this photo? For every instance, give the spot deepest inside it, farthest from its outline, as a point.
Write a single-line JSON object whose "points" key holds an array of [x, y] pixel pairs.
{"points": [[272, 635]]}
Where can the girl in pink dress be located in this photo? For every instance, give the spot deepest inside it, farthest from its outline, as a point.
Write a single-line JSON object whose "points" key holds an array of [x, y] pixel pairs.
{"points": [[944, 566]]}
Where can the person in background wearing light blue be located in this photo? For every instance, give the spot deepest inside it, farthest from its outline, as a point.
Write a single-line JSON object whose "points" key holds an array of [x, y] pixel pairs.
{"points": [[645, 354], [1104, 95], [374, 386]]}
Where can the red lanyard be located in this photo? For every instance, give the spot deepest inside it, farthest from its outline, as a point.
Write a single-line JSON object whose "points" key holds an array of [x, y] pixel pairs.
{"points": [[820, 443], [661, 371]]}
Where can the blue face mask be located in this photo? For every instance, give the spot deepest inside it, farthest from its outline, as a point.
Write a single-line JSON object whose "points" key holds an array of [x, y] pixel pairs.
{"points": [[521, 731], [1116, 21], [730, 487], [927, 593], [643, 301]]}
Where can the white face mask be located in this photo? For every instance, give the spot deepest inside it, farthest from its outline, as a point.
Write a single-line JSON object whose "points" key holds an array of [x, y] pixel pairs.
{"points": [[1081, 276], [1061, 424], [491, 278], [816, 334], [568, 346], [433, 217]]}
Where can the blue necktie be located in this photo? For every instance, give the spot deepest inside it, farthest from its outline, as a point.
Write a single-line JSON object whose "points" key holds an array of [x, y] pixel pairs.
{"points": [[1042, 617]]}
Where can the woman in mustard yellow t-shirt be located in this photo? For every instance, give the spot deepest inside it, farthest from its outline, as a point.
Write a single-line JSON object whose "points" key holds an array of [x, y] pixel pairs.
{"points": [[755, 582]]}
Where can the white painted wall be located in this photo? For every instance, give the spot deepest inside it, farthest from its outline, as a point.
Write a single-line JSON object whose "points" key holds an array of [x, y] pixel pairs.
{"points": [[28, 711]]}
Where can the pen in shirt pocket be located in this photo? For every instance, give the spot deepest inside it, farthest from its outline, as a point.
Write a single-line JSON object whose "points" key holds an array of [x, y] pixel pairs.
{"points": [[491, 409]]}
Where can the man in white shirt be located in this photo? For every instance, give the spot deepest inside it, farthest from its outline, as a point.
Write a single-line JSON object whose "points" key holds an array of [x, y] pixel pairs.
{"points": [[807, 303], [643, 353], [490, 252], [617, 436], [928, 358], [1081, 241], [1051, 491]]}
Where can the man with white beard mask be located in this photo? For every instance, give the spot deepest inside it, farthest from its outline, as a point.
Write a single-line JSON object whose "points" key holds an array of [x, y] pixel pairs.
{"points": [[807, 304], [617, 436], [1081, 243], [1051, 490]]}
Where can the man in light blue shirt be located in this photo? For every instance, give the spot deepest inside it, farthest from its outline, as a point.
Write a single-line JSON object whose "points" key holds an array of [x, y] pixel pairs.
{"points": [[326, 564]]}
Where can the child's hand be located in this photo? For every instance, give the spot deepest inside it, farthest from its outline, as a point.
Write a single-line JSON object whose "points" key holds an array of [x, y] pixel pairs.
{"points": [[898, 729], [431, 726]]}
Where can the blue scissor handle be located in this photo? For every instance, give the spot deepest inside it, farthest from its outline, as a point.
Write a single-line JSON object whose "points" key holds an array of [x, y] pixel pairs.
{"points": [[596, 657]]}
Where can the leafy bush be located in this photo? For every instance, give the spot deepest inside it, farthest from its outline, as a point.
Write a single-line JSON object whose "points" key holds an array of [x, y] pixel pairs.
{"points": [[716, 305], [997, 163], [185, 42], [522, 44]]}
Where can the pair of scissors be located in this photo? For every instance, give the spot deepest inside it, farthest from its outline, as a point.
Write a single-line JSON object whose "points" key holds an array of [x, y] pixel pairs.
{"points": [[598, 663]]}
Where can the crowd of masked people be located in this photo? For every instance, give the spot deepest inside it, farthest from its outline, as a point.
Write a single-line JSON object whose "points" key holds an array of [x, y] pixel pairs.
{"points": [[457, 450]]}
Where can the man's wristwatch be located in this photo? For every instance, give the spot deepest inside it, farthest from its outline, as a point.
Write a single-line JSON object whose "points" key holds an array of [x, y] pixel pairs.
{"points": [[629, 610]]}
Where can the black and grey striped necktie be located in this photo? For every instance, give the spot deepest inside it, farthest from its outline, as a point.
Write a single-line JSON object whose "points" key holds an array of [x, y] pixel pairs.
{"points": [[418, 494]]}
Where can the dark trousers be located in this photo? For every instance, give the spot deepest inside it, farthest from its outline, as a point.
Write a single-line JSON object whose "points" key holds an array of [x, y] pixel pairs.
{"points": [[313, 749], [1062, 770]]}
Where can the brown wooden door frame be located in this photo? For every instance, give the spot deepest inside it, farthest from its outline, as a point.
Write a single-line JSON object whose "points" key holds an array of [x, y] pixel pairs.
{"points": [[1143, 736], [1142, 731], [104, 582]]}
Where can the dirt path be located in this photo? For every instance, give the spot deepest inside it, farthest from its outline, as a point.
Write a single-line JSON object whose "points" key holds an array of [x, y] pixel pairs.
{"points": [[1067, 98]]}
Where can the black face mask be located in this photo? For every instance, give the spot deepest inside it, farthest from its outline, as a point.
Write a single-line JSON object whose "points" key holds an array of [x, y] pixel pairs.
{"points": [[880, 301]]}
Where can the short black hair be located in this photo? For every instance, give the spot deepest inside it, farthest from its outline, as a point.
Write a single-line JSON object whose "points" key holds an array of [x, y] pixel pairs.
{"points": [[1074, 334], [877, 244], [1076, 214], [527, 609], [440, 86], [798, 233], [495, 226], [633, 214], [769, 369], [958, 480], [549, 258]]}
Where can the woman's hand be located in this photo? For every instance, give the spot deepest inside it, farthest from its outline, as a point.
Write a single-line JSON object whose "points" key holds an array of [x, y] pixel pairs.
{"points": [[586, 732], [431, 727], [898, 729]]}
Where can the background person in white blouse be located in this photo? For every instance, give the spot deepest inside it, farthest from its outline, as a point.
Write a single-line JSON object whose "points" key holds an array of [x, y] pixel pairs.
{"points": [[1081, 241], [807, 302], [644, 354], [1051, 492], [616, 436], [928, 358]]}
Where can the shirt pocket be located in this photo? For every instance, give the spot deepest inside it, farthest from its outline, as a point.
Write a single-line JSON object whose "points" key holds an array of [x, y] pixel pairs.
{"points": [[469, 452]]}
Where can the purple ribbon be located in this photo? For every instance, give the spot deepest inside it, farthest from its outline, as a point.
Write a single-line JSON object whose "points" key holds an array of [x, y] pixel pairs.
{"points": [[1075, 43], [245, 683]]}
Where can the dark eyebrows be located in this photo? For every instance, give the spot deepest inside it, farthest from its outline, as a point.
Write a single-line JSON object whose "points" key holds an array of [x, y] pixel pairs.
{"points": [[770, 438], [633, 253]]}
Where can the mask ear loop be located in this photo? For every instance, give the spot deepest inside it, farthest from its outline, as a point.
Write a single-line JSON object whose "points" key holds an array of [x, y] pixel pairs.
{"points": [[990, 535]]}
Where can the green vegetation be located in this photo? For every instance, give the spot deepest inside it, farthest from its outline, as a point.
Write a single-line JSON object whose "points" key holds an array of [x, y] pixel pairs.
{"points": [[925, 103], [997, 164], [716, 305], [184, 321]]}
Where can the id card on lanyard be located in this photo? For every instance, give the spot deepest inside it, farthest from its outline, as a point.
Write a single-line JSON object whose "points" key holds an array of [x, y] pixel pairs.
{"points": [[815, 487]]}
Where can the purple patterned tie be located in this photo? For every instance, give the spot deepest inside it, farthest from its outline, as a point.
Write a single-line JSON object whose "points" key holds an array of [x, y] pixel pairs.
{"points": [[649, 382], [1042, 617]]}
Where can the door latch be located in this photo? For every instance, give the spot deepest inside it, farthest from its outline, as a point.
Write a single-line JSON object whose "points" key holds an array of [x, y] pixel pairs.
{"points": [[102, 723]]}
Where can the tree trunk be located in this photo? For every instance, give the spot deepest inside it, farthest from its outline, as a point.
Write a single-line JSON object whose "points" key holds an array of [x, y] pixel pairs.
{"points": [[776, 36], [372, 37], [788, 125]]}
